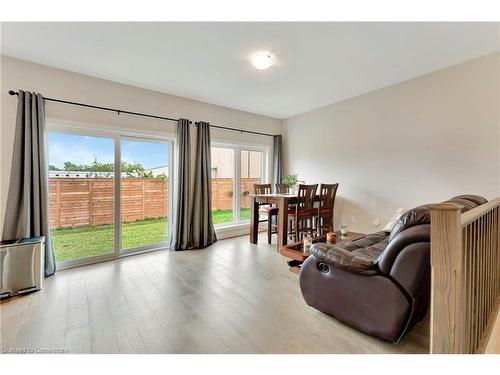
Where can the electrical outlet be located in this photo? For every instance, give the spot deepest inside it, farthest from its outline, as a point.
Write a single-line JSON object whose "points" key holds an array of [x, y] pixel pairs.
{"points": [[376, 222], [353, 219]]}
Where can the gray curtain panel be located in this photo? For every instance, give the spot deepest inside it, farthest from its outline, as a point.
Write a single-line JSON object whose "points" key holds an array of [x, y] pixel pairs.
{"points": [[278, 160], [180, 227], [202, 227], [27, 211]]}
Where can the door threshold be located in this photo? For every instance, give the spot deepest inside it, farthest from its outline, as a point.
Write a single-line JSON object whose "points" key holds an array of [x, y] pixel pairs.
{"points": [[73, 264]]}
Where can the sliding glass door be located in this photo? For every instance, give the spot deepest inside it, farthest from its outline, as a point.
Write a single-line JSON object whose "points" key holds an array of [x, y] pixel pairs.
{"points": [[144, 193], [96, 215], [82, 196], [228, 161]]}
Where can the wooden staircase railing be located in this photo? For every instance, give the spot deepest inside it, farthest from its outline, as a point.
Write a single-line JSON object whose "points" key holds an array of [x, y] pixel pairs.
{"points": [[465, 281]]}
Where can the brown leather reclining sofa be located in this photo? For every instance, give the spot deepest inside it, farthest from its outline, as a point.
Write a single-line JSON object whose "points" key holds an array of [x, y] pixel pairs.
{"points": [[379, 284]]}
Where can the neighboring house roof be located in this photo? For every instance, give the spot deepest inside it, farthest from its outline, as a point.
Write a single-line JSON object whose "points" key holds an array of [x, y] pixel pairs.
{"points": [[158, 171], [82, 174]]}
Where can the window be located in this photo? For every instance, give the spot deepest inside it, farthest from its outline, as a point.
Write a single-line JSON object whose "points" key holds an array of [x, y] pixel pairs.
{"points": [[93, 213], [228, 161], [251, 165], [223, 185]]}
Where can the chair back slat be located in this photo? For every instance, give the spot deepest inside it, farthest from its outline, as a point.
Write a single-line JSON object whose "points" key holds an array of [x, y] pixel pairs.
{"points": [[282, 189], [262, 188], [327, 193], [306, 196]]}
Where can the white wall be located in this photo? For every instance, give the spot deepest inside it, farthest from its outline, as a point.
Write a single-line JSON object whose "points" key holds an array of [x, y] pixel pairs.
{"points": [[55, 83], [420, 141]]}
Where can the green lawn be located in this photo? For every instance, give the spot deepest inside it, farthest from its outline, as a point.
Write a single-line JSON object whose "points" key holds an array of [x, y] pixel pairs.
{"points": [[76, 243], [226, 216]]}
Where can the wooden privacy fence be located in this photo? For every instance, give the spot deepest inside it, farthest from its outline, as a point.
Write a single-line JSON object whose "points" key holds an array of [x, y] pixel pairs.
{"points": [[76, 202], [222, 192], [465, 261]]}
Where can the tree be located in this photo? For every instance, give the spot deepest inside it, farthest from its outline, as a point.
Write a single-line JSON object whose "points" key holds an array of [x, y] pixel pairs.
{"points": [[133, 170], [136, 170], [96, 166], [101, 167], [53, 168], [69, 166]]}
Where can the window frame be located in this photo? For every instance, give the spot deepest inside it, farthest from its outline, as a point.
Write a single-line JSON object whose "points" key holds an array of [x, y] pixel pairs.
{"points": [[237, 147]]}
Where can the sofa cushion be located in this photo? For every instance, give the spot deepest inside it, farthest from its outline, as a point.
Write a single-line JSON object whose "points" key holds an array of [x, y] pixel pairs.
{"points": [[360, 256], [302, 212], [269, 210]]}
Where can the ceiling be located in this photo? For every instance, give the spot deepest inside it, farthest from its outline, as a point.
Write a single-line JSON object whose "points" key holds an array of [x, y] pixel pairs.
{"points": [[316, 63]]}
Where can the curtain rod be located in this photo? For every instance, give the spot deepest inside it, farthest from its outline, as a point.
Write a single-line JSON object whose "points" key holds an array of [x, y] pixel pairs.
{"points": [[119, 111], [239, 130]]}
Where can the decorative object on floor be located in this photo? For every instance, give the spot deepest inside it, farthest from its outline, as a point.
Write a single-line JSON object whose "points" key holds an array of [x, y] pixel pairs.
{"points": [[180, 229], [202, 227], [307, 243], [379, 284], [26, 214]]}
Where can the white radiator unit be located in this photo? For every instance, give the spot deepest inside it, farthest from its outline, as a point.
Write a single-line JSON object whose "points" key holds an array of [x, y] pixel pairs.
{"points": [[21, 266]]}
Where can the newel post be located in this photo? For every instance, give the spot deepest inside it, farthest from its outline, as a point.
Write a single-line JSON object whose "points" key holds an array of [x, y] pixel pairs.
{"points": [[446, 279]]}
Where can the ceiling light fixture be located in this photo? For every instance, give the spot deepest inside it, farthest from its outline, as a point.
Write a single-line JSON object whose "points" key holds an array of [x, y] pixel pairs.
{"points": [[262, 60]]}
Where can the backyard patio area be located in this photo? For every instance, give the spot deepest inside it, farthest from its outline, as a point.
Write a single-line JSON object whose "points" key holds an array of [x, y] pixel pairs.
{"points": [[87, 241]]}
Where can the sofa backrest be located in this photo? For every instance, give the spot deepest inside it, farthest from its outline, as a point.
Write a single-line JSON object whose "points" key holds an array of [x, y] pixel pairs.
{"points": [[478, 200], [417, 216], [414, 227], [421, 215]]}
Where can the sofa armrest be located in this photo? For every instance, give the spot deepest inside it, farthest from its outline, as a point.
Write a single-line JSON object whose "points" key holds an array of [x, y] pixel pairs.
{"points": [[350, 261], [411, 269], [418, 233]]}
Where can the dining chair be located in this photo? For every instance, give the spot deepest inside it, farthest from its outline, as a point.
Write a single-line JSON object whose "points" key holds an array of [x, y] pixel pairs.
{"points": [[326, 205], [285, 189], [304, 212], [269, 211], [282, 189]]}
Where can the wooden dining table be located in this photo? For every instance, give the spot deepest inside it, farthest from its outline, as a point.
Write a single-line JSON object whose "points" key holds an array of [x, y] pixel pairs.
{"points": [[282, 201]]}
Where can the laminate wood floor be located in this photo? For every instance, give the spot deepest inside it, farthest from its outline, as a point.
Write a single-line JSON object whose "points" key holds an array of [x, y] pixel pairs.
{"points": [[233, 297]]}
